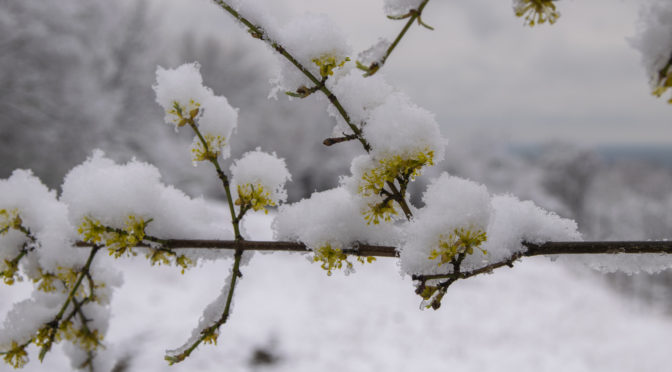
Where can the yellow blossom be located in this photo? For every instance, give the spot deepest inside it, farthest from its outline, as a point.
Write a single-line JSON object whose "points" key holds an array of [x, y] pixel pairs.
{"points": [[536, 11]]}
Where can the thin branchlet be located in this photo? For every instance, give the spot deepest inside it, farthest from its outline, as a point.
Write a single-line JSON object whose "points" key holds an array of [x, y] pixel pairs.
{"points": [[412, 16], [210, 333], [223, 177], [259, 33]]}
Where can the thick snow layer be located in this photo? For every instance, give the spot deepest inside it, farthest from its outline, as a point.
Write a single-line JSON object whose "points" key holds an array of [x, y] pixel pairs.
{"points": [[538, 316], [307, 38], [258, 168], [219, 120], [451, 203], [399, 127], [108, 192], [183, 86], [330, 217], [359, 95], [46, 219]]}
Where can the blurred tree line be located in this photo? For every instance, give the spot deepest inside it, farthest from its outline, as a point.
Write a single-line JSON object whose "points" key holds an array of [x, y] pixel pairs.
{"points": [[76, 75]]}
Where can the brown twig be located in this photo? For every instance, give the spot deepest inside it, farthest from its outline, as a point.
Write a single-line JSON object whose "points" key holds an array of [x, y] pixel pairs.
{"points": [[533, 249], [412, 16], [334, 140], [258, 33]]}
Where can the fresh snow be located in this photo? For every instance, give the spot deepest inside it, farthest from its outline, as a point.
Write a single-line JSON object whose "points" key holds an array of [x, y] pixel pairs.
{"points": [[539, 316]]}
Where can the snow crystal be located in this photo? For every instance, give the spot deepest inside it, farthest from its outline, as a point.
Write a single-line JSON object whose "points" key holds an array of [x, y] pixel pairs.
{"points": [[258, 168], [450, 203], [110, 193], [399, 127], [330, 217], [182, 86], [400, 7]]}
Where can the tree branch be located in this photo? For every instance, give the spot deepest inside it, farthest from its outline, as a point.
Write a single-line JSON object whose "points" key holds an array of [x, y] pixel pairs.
{"points": [[258, 33], [334, 140], [533, 249], [412, 16], [222, 176]]}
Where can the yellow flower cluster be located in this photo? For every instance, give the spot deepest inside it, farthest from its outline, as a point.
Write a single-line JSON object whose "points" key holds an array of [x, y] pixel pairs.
{"points": [[327, 63], [394, 168], [162, 257], [536, 11], [211, 149], [118, 241], [17, 356], [460, 241], [664, 81], [255, 197], [431, 296], [179, 118], [334, 258], [9, 220]]}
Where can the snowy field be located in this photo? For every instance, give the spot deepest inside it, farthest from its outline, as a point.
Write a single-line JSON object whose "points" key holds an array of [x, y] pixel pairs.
{"points": [[539, 316]]}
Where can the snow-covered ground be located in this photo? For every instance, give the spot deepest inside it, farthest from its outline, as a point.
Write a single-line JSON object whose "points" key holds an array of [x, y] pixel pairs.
{"points": [[538, 316]]}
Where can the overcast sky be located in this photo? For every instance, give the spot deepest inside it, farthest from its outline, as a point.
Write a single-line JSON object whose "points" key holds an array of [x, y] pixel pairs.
{"points": [[482, 71]]}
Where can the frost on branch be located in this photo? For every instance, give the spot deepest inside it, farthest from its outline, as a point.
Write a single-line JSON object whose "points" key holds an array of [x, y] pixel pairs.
{"points": [[259, 180], [654, 41]]}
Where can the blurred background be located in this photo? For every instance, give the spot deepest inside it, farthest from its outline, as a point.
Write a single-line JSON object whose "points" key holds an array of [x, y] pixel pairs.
{"points": [[559, 115]]}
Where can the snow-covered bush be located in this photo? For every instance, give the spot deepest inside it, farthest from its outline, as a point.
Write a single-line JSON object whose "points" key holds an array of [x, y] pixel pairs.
{"points": [[462, 230]]}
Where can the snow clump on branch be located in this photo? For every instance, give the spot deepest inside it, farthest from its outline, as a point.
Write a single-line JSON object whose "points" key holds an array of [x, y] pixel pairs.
{"points": [[100, 192], [330, 217], [259, 179], [454, 208], [186, 101], [27, 203], [654, 41], [461, 218], [398, 8], [317, 43]]}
